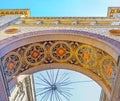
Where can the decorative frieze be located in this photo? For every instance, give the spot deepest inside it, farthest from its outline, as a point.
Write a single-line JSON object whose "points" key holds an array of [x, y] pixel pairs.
{"points": [[112, 11], [22, 12], [47, 52]]}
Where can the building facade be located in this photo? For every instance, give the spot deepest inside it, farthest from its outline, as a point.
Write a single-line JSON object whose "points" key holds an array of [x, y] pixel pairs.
{"points": [[89, 45]]}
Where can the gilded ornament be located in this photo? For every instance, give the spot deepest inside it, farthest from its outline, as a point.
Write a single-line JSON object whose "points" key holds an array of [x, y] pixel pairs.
{"points": [[108, 68], [115, 32], [61, 51], [87, 56], [34, 54], [11, 63], [11, 31]]}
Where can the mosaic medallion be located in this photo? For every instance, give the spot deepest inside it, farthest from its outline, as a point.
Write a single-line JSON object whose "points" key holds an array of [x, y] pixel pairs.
{"points": [[107, 67], [11, 31], [48, 52], [34, 54], [86, 55], [61, 51], [11, 63]]}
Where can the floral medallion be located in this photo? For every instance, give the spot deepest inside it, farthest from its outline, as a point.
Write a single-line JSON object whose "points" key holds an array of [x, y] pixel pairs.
{"points": [[34, 54], [108, 67], [86, 55], [61, 51], [11, 63]]}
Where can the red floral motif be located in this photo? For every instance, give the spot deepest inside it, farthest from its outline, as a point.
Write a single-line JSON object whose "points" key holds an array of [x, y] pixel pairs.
{"points": [[61, 51], [86, 56], [109, 70], [11, 65], [35, 54]]}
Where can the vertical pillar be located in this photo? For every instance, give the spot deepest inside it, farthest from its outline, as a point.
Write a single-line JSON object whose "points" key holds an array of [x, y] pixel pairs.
{"points": [[115, 96], [4, 90], [30, 88]]}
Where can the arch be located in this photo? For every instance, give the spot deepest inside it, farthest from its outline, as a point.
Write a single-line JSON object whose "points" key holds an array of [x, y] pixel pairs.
{"points": [[92, 42]]}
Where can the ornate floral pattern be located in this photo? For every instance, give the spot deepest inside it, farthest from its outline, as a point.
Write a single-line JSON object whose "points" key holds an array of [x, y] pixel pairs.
{"points": [[108, 67], [71, 52], [11, 63], [86, 55], [61, 51], [35, 54]]}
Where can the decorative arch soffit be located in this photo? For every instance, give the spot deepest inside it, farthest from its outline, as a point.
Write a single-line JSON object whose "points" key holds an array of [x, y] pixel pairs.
{"points": [[85, 52]]}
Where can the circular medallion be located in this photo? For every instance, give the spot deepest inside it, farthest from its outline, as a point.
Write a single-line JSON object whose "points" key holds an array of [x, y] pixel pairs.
{"points": [[34, 54], [11, 31], [86, 55], [108, 67], [11, 63], [61, 51]]}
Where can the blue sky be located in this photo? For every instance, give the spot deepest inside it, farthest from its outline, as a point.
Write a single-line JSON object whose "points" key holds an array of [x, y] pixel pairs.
{"points": [[82, 87], [62, 7]]}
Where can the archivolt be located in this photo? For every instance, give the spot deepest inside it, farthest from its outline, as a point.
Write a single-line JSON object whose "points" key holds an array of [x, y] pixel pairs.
{"points": [[75, 50]]}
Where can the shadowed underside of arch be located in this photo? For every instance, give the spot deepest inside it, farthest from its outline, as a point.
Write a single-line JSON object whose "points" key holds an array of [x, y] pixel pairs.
{"points": [[55, 50]]}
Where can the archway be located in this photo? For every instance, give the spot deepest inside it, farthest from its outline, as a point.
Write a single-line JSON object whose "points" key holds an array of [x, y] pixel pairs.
{"points": [[68, 49]]}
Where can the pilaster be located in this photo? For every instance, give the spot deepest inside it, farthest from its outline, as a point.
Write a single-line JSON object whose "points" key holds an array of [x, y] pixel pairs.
{"points": [[4, 89]]}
